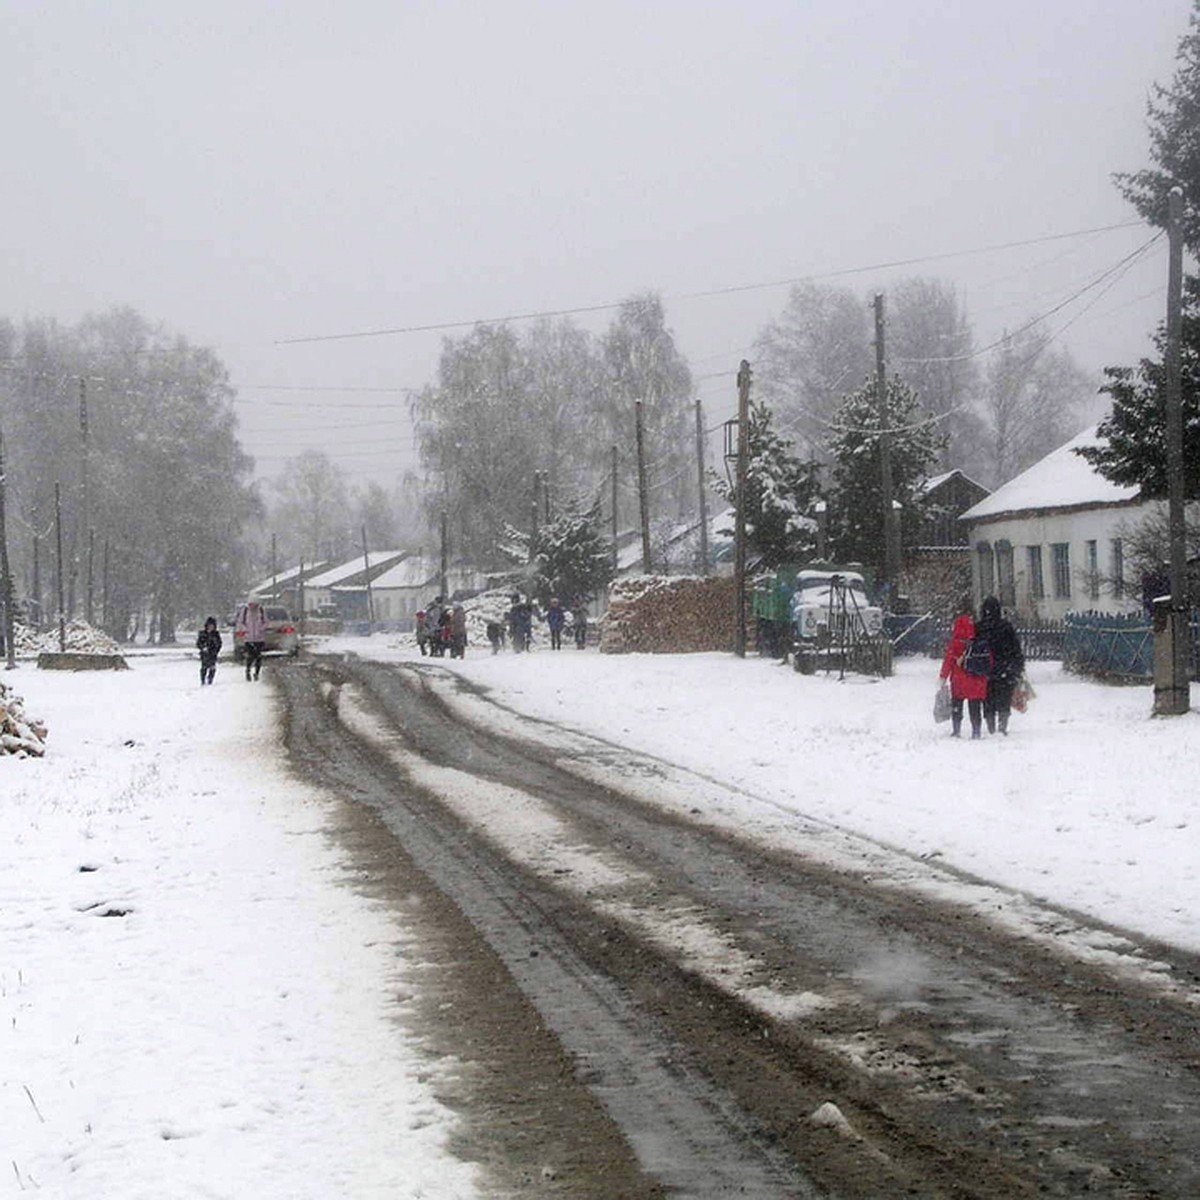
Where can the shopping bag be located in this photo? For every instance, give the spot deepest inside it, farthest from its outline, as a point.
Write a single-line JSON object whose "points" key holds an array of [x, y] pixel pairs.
{"points": [[941, 703], [1022, 694]]}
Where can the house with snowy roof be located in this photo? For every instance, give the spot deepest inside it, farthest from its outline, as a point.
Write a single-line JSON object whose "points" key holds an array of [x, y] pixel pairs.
{"points": [[405, 587], [1052, 540], [354, 572]]}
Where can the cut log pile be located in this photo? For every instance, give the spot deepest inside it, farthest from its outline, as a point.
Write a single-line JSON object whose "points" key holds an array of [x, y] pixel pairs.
{"points": [[81, 638], [677, 614], [20, 735]]}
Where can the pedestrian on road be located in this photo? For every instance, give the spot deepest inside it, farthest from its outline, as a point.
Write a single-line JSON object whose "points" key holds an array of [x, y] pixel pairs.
{"points": [[422, 632], [964, 684], [1008, 663], [458, 631], [252, 626], [208, 642], [579, 621], [556, 618]]}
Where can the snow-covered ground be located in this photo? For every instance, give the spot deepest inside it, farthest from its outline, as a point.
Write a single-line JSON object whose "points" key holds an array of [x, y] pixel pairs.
{"points": [[233, 1032], [237, 1031]]}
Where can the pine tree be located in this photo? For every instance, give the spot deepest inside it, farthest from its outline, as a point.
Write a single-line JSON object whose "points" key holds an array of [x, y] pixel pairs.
{"points": [[1173, 115], [1133, 448], [856, 531], [573, 560], [781, 492]]}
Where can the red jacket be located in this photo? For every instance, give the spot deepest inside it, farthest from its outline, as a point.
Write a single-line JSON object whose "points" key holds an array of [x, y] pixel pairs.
{"points": [[962, 685]]}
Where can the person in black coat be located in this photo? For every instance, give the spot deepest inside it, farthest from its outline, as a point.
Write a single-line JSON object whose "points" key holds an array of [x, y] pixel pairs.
{"points": [[1008, 663], [208, 642]]}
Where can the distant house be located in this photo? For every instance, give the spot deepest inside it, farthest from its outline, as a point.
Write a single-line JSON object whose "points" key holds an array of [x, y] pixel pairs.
{"points": [[284, 586], [354, 573], [1052, 540], [404, 588], [947, 497]]}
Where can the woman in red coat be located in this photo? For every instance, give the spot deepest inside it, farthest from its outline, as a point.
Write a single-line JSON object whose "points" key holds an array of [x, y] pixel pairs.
{"points": [[963, 686]]}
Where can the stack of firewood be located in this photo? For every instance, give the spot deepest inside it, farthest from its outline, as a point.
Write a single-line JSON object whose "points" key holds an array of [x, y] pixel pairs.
{"points": [[678, 614], [80, 637], [20, 735]]}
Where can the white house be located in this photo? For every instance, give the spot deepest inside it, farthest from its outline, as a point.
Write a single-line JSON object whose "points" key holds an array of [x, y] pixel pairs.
{"points": [[1052, 540], [409, 585], [319, 589]]}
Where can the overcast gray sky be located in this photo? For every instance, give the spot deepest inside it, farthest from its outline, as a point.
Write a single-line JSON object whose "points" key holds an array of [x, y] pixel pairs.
{"points": [[249, 173]]}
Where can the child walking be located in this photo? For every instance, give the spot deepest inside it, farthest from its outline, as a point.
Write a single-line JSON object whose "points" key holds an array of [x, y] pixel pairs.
{"points": [[208, 642]]}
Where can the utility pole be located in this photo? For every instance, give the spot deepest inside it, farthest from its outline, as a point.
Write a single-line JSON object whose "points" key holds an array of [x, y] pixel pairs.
{"points": [[546, 493], [1172, 628], [616, 558], [6, 571], [62, 616], [444, 573], [891, 530], [739, 528], [105, 612], [533, 515], [367, 576], [643, 498], [37, 578], [85, 514], [90, 595], [700, 480], [274, 572]]}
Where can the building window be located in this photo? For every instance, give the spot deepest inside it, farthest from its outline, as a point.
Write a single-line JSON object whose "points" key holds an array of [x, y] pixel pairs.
{"points": [[1092, 555], [1037, 579], [987, 573], [1117, 554], [1060, 558], [1004, 572]]}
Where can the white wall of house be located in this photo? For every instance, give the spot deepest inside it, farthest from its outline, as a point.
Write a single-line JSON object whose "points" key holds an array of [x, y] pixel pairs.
{"points": [[1083, 555]]}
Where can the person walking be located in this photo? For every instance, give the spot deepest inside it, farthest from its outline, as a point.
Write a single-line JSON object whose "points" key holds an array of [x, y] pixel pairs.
{"points": [[1008, 663], [579, 622], [458, 631], [208, 642], [556, 618], [961, 668], [252, 625], [422, 632]]}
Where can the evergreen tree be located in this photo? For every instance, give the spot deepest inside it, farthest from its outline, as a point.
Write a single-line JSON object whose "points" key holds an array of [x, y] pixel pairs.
{"points": [[572, 558], [1173, 115], [1133, 437], [781, 492], [856, 531]]}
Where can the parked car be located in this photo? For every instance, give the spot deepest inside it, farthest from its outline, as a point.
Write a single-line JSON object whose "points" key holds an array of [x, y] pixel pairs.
{"points": [[281, 636]]}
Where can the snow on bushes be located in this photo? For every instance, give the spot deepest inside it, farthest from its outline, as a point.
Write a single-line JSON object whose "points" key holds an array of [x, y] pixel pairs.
{"points": [[20, 735]]}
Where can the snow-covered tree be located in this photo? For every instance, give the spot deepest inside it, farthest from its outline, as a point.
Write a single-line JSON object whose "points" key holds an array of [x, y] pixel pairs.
{"points": [[781, 494], [572, 558], [856, 527], [1133, 438]]}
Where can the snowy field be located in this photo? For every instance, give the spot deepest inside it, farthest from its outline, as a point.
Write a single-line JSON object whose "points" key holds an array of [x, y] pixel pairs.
{"points": [[195, 1001]]}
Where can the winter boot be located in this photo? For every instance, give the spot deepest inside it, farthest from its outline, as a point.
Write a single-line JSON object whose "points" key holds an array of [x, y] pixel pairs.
{"points": [[1004, 724], [956, 727], [991, 723]]}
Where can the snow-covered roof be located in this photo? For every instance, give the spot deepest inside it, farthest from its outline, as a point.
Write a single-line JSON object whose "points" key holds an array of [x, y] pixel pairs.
{"points": [[414, 571], [1060, 480], [285, 577], [938, 480], [351, 567]]}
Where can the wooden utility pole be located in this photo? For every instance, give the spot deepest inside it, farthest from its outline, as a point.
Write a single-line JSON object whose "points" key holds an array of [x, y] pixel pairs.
{"points": [[444, 572], [58, 535], [1172, 628], [739, 527], [546, 494], [643, 498], [300, 596], [6, 583], [700, 482], [616, 557], [534, 510], [891, 529], [367, 576], [85, 499], [104, 609]]}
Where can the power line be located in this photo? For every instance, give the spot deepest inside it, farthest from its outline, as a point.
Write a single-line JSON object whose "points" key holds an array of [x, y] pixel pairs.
{"points": [[725, 291]]}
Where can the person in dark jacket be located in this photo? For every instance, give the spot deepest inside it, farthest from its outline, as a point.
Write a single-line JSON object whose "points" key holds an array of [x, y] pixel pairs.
{"points": [[556, 618], [208, 642], [1008, 664]]}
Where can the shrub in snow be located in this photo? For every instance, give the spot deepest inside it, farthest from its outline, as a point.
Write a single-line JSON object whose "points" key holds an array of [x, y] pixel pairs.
{"points": [[20, 735]]}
